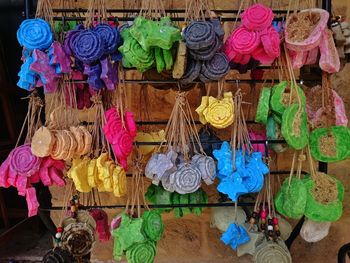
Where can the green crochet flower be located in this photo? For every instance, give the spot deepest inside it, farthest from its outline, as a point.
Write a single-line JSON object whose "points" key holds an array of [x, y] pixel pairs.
{"points": [[141, 252], [153, 225]]}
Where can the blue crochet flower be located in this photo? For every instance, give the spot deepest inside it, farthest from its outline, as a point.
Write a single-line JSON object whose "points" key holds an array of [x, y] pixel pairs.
{"points": [[35, 34]]}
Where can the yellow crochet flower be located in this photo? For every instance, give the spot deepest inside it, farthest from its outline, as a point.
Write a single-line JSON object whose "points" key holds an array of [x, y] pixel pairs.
{"points": [[78, 172], [119, 181], [100, 163], [107, 175], [92, 173], [220, 113], [201, 108]]}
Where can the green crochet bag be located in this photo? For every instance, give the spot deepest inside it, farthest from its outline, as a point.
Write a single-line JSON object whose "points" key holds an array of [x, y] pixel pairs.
{"points": [[273, 132], [325, 210], [290, 201], [330, 144], [280, 99], [262, 112], [294, 127]]}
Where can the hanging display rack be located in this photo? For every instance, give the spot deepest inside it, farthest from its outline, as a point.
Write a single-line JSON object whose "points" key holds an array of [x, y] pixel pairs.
{"points": [[43, 211]]}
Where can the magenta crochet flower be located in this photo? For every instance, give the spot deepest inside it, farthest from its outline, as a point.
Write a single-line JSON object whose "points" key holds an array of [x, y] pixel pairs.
{"points": [[257, 17], [270, 40], [244, 41]]}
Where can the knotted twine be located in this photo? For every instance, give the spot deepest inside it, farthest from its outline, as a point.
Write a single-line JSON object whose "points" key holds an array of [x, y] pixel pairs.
{"points": [[181, 131]]}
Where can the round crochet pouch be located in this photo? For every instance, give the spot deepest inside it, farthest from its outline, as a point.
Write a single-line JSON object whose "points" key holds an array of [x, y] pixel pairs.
{"points": [[285, 227], [312, 231], [324, 198], [304, 29], [290, 200], [58, 255], [280, 97], [294, 127], [262, 112], [330, 144], [272, 252]]}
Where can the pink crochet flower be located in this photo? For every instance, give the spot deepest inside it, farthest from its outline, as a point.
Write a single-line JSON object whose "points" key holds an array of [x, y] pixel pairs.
{"points": [[121, 138], [122, 144], [244, 41], [270, 40], [261, 55], [4, 170], [23, 162], [257, 17]]}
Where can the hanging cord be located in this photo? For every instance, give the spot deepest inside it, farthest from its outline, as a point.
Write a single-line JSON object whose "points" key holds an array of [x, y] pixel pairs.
{"points": [[137, 187], [152, 9], [181, 131], [44, 11], [97, 10], [32, 119], [197, 10], [239, 134], [241, 5]]}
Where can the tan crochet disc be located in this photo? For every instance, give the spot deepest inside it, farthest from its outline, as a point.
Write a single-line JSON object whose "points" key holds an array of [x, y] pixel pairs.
{"points": [[42, 142], [73, 145], [79, 137], [87, 140]]}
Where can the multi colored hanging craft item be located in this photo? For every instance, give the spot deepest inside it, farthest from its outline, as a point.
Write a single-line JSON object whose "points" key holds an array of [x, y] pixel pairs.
{"points": [[240, 170], [136, 235], [181, 164]]}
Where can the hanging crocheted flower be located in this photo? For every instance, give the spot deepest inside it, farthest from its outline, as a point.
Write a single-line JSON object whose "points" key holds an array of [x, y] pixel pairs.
{"points": [[270, 40], [244, 41], [153, 225], [23, 162], [110, 36], [122, 144], [220, 113], [121, 138], [199, 35], [69, 40], [206, 166], [35, 34], [88, 46], [142, 252], [257, 17], [187, 179]]}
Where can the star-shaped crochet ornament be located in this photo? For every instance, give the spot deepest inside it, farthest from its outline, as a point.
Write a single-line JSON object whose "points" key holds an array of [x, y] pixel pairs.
{"points": [[224, 157], [129, 232], [235, 236], [233, 186]]}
